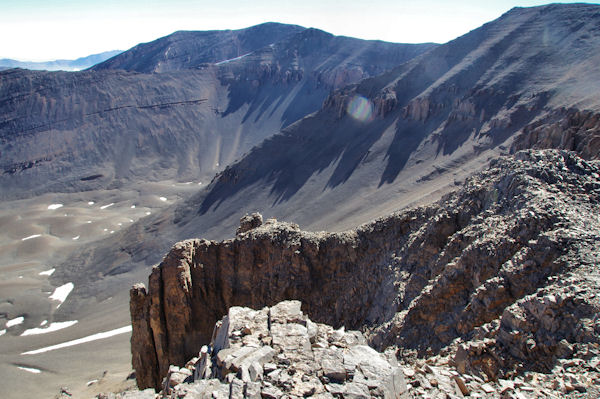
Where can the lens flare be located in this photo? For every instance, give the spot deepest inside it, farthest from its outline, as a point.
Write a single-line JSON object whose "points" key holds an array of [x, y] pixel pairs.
{"points": [[360, 109]]}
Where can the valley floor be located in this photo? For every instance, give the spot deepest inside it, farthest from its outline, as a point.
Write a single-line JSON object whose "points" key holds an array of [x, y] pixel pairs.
{"points": [[36, 234]]}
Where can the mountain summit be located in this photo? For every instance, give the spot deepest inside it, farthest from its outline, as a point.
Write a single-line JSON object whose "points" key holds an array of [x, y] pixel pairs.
{"points": [[191, 49]]}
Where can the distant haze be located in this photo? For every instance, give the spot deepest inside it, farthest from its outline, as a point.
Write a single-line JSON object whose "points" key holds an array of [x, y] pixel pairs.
{"points": [[67, 29], [60, 65]]}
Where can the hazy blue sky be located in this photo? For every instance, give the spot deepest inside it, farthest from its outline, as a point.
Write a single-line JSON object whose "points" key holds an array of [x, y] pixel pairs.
{"points": [[35, 30]]}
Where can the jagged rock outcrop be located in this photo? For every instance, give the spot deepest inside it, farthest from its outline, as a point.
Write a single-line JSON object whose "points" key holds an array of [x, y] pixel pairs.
{"points": [[278, 352], [567, 129], [199, 280], [473, 268]]}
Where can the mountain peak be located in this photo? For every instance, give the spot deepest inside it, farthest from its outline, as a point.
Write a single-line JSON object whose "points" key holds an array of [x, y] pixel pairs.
{"points": [[190, 49], [553, 8]]}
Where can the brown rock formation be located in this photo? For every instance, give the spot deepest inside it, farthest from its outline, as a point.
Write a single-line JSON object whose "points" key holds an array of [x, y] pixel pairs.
{"points": [[424, 280]]}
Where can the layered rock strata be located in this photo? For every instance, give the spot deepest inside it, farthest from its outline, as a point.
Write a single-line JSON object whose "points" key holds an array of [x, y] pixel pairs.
{"points": [[500, 276]]}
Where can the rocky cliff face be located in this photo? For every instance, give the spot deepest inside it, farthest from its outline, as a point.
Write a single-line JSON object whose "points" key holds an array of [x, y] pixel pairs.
{"points": [[566, 129], [498, 276]]}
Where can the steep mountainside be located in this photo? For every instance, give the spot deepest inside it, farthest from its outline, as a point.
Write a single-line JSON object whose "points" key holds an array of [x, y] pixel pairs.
{"points": [[278, 46], [75, 131], [60, 129], [501, 276], [314, 62], [446, 107]]}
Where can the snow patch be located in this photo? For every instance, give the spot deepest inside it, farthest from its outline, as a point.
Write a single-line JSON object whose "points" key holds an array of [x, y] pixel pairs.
{"points": [[2, 332], [43, 323], [30, 237], [61, 293], [15, 321], [29, 369], [54, 206], [47, 272], [163, 198], [132, 206], [147, 213], [232, 59], [106, 206], [76, 238], [94, 337], [52, 327], [91, 203]]}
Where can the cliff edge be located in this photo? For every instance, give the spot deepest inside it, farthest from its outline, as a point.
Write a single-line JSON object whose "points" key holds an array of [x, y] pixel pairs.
{"points": [[498, 278]]}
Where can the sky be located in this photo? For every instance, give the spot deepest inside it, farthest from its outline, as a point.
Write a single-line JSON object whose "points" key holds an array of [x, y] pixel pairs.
{"points": [[42, 30]]}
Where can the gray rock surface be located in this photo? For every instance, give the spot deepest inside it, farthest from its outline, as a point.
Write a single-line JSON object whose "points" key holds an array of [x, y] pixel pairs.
{"points": [[336, 363]]}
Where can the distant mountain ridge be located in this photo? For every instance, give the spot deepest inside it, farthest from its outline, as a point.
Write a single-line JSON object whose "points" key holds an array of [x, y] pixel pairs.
{"points": [[268, 42], [60, 65], [199, 113]]}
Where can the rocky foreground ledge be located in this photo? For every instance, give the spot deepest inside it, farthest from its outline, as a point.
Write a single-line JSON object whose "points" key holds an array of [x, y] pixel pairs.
{"points": [[495, 288], [278, 352]]}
